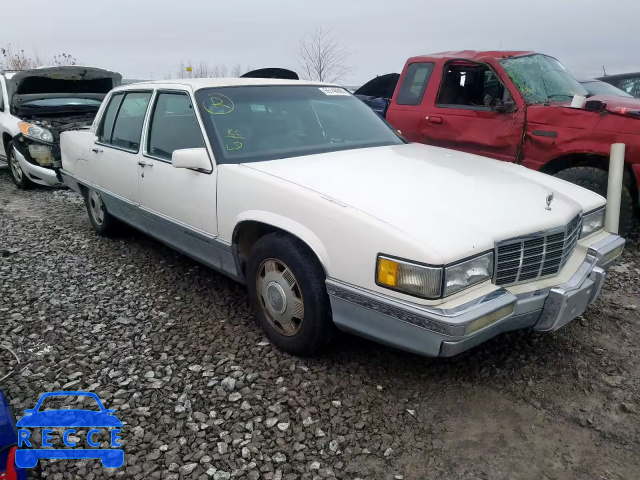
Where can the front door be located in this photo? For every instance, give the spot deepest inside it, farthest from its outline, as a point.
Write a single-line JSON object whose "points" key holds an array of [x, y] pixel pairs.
{"points": [[465, 116], [116, 152], [179, 203]]}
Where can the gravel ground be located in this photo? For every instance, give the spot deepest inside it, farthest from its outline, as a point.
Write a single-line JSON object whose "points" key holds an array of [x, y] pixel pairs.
{"points": [[173, 348]]}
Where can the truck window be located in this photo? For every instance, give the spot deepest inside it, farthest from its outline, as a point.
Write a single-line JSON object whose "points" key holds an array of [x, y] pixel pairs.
{"points": [[128, 124], [630, 85], [173, 126], [467, 85], [415, 83]]}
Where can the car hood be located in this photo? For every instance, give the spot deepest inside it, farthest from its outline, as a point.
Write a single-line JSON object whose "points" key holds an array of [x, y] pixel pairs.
{"points": [[614, 103], [455, 203], [67, 81]]}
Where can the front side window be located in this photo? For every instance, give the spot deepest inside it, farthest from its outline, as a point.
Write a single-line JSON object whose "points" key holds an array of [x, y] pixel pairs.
{"points": [[542, 79], [174, 126], [471, 85], [257, 123], [109, 118], [415, 83], [1, 99], [127, 128]]}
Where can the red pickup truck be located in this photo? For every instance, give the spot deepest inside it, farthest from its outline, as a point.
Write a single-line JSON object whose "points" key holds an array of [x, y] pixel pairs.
{"points": [[516, 107]]}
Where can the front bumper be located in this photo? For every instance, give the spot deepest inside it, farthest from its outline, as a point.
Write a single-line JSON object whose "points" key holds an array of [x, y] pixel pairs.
{"points": [[436, 332], [40, 175]]}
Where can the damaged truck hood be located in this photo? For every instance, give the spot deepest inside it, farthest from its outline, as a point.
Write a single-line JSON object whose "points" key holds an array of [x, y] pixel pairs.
{"points": [[453, 202], [65, 81]]}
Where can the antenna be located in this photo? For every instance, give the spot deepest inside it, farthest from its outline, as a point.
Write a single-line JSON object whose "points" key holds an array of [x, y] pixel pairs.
{"points": [[500, 45], [604, 70]]}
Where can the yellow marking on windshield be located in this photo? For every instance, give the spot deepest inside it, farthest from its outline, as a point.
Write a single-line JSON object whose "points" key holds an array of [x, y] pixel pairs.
{"points": [[218, 104]]}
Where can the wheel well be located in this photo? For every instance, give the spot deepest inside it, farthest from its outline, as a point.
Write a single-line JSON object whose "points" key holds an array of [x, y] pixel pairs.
{"points": [[6, 138], [247, 233], [590, 160]]}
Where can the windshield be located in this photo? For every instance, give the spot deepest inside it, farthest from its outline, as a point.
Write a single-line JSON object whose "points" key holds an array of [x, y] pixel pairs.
{"points": [[62, 102], [251, 124], [602, 88], [542, 79]]}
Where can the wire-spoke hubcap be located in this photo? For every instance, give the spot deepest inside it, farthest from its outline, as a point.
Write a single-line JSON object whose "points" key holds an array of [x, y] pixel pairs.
{"points": [[97, 207], [280, 297], [16, 169]]}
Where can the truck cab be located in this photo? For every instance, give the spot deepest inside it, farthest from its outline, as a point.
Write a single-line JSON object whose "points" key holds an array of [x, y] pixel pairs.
{"points": [[516, 107]]}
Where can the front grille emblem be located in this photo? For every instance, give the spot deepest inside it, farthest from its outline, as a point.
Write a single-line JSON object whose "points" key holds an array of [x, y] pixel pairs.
{"points": [[549, 200]]}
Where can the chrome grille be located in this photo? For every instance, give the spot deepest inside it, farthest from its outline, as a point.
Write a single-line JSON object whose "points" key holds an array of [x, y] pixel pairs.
{"points": [[536, 256]]}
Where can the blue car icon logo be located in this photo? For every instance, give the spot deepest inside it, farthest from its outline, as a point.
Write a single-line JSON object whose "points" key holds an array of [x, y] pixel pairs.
{"points": [[28, 453]]}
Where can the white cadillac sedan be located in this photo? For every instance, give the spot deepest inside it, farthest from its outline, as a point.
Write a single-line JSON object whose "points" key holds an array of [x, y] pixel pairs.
{"points": [[331, 219]]}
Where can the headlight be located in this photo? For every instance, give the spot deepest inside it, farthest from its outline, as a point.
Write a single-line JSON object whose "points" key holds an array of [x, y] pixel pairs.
{"points": [[592, 222], [468, 273], [35, 132], [410, 278]]}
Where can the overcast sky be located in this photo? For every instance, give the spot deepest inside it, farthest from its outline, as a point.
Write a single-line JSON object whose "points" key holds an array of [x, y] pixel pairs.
{"points": [[149, 38]]}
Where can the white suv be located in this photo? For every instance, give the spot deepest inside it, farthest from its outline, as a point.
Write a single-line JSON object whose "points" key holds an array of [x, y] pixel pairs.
{"points": [[36, 106]]}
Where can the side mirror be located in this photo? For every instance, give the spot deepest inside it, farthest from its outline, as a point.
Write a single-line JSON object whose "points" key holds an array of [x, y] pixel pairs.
{"points": [[508, 106], [195, 158]]}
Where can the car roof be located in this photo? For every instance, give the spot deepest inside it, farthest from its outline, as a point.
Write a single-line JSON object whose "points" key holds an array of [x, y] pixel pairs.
{"points": [[474, 55], [199, 83], [619, 76]]}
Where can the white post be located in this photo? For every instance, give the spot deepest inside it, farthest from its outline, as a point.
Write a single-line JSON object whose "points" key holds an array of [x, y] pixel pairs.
{"points": [[614, 189]]}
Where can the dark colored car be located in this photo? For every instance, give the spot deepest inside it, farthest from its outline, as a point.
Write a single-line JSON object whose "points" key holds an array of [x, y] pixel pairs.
{"points": [[627, 82], [598, 87], [8, 444]]}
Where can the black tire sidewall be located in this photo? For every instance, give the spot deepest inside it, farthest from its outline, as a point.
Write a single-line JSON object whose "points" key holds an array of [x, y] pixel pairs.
{"points": [[105, 229], [317, 328], [597, 181]]}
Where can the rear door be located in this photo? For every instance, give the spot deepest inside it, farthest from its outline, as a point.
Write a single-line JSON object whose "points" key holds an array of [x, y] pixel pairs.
{"points": [[116, 150], [409, 101], [4, 112], [180, 203], [464, 116]]}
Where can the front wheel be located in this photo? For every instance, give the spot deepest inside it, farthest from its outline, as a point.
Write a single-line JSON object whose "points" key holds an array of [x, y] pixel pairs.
{"points": [[597, 181], [286, 285], [103, 222], [18, 176]]}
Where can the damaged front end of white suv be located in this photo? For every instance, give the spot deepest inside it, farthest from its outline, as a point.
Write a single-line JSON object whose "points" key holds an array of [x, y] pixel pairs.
{"points": [[43, 103]]}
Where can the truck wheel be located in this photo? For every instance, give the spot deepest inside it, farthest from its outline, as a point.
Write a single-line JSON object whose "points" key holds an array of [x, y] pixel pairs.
{"points": [[17, 175], [102, 221], [288, 295], [597, 180]]}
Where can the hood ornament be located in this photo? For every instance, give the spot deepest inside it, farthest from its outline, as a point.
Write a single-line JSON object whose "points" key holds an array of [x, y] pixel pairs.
{"points": [[549, 200]]}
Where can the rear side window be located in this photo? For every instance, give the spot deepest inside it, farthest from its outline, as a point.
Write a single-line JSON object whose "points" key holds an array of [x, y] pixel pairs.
{"points": [[128, 127], [174, 126], [106, 127], [415, 83]]}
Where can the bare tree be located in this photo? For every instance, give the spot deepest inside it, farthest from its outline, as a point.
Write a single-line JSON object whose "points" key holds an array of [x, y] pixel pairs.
{"points": [[19, 60], [322, 57]]}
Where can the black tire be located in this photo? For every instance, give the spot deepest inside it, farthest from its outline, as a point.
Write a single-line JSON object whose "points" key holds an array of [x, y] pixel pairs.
{"points": [[597, 180], [103, 222], [17, 175], [315, 330]]}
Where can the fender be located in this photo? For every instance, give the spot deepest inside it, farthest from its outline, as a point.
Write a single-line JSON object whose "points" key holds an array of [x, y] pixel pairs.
{"points": [[290, 226]]}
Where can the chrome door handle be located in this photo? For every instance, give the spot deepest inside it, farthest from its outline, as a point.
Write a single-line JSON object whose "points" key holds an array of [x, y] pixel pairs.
{"points": [[96, 150], [142, 163]]}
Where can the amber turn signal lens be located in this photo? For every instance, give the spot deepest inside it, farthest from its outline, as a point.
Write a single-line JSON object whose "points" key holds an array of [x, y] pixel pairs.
{"points": [[387, 272]]}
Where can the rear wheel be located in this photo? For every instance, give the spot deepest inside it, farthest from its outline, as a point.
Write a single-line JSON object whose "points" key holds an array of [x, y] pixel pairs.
{"points": [[288, 296], [18, 176], [597, 181], [103, 222]]}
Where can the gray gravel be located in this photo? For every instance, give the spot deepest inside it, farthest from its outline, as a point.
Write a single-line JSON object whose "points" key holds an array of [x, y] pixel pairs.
{"points": [[173, 348]]}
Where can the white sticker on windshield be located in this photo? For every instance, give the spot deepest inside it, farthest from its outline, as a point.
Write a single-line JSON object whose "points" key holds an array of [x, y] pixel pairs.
{"points": [[334, 91]]}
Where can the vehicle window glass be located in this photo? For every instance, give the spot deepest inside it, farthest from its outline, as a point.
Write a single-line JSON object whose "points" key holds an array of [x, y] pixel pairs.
{"points": [[471, 86], [1, 99], [631, 86], [542, 79], [258, 123], [602, 88], [414, 84], [106, 126], [173, 126], [128, 126]]}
